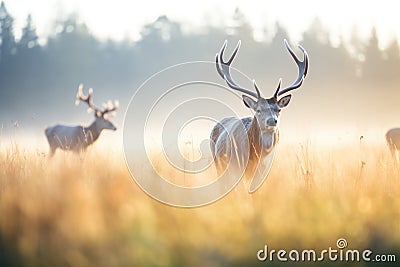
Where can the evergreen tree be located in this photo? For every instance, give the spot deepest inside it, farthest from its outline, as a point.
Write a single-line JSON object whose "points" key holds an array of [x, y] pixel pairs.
{"points": [[391, 57], [29, 38], [7, 39], [239, 26], [374, 69]]}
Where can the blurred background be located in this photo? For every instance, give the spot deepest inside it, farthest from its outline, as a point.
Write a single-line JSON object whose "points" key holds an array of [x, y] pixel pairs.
{"points": [[332, 177], [48, 47]]}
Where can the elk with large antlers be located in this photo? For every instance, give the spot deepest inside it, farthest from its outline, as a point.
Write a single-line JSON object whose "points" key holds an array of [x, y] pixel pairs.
{"points": [[78, 138], [262, 130]]}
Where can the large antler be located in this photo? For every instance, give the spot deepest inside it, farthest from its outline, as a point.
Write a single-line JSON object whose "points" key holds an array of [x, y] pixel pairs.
{"points": [[303, 68], [109, 107], [87, 99], [223, 69]]}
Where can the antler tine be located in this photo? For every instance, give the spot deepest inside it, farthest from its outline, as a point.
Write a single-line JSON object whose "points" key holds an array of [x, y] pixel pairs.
{"points": [[302, 66], [223, 69], [278, 87], [257, 90]]}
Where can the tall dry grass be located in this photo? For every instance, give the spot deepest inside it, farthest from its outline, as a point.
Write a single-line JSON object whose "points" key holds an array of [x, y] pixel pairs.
{"points": [[87, 211]]}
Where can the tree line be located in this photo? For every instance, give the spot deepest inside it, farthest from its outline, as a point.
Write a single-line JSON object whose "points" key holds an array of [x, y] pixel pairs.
{"points": [[36, 78]]}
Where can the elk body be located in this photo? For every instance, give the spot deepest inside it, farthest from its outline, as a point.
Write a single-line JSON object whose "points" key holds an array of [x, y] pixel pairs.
{"points": [[393, 141], [78, 138], [261, 133]]}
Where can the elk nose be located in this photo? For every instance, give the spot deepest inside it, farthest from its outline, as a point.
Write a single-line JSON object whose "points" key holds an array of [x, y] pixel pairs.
{"points": [[272, 122]]}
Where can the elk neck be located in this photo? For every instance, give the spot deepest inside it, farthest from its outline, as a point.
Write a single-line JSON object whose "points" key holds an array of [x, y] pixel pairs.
{"points": [[92, 132], [261, 141]]}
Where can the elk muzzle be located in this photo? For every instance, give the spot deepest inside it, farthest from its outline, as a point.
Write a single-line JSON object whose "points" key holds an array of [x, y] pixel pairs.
{"points": [[272, 122]]}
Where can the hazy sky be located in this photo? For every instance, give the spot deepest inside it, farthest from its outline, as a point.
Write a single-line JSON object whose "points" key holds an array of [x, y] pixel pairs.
{"points": [[341, 17]]}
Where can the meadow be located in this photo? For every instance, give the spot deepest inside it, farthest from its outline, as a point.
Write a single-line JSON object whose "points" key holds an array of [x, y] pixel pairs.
{"points": [[87, 211]]}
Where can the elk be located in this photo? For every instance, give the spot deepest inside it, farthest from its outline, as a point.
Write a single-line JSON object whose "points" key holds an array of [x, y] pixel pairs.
{"points": [[78, 138], [393, 141], [261, 133]]}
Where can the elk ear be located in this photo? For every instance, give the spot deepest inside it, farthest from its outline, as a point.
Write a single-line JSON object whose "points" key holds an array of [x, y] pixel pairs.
{"points": [[284, 101], [249, 102]]}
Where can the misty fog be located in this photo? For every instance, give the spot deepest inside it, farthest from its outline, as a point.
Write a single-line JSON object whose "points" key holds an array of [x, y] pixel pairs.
{"points": [[348, 91]]}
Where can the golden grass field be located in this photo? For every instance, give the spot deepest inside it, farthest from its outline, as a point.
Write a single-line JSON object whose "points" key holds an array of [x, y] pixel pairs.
{"points": [[87, 211]]}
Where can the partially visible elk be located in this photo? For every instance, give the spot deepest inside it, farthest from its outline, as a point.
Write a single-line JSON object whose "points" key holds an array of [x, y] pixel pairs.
{"points": [[261, 131], [393, 141], [78, 138]]}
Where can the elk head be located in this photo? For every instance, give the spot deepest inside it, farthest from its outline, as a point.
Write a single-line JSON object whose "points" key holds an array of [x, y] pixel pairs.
{"points": [[102, 119], [266, 110]]}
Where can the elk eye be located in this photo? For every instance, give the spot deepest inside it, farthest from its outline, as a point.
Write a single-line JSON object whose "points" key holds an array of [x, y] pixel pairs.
{"points": [[258, 111]]}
